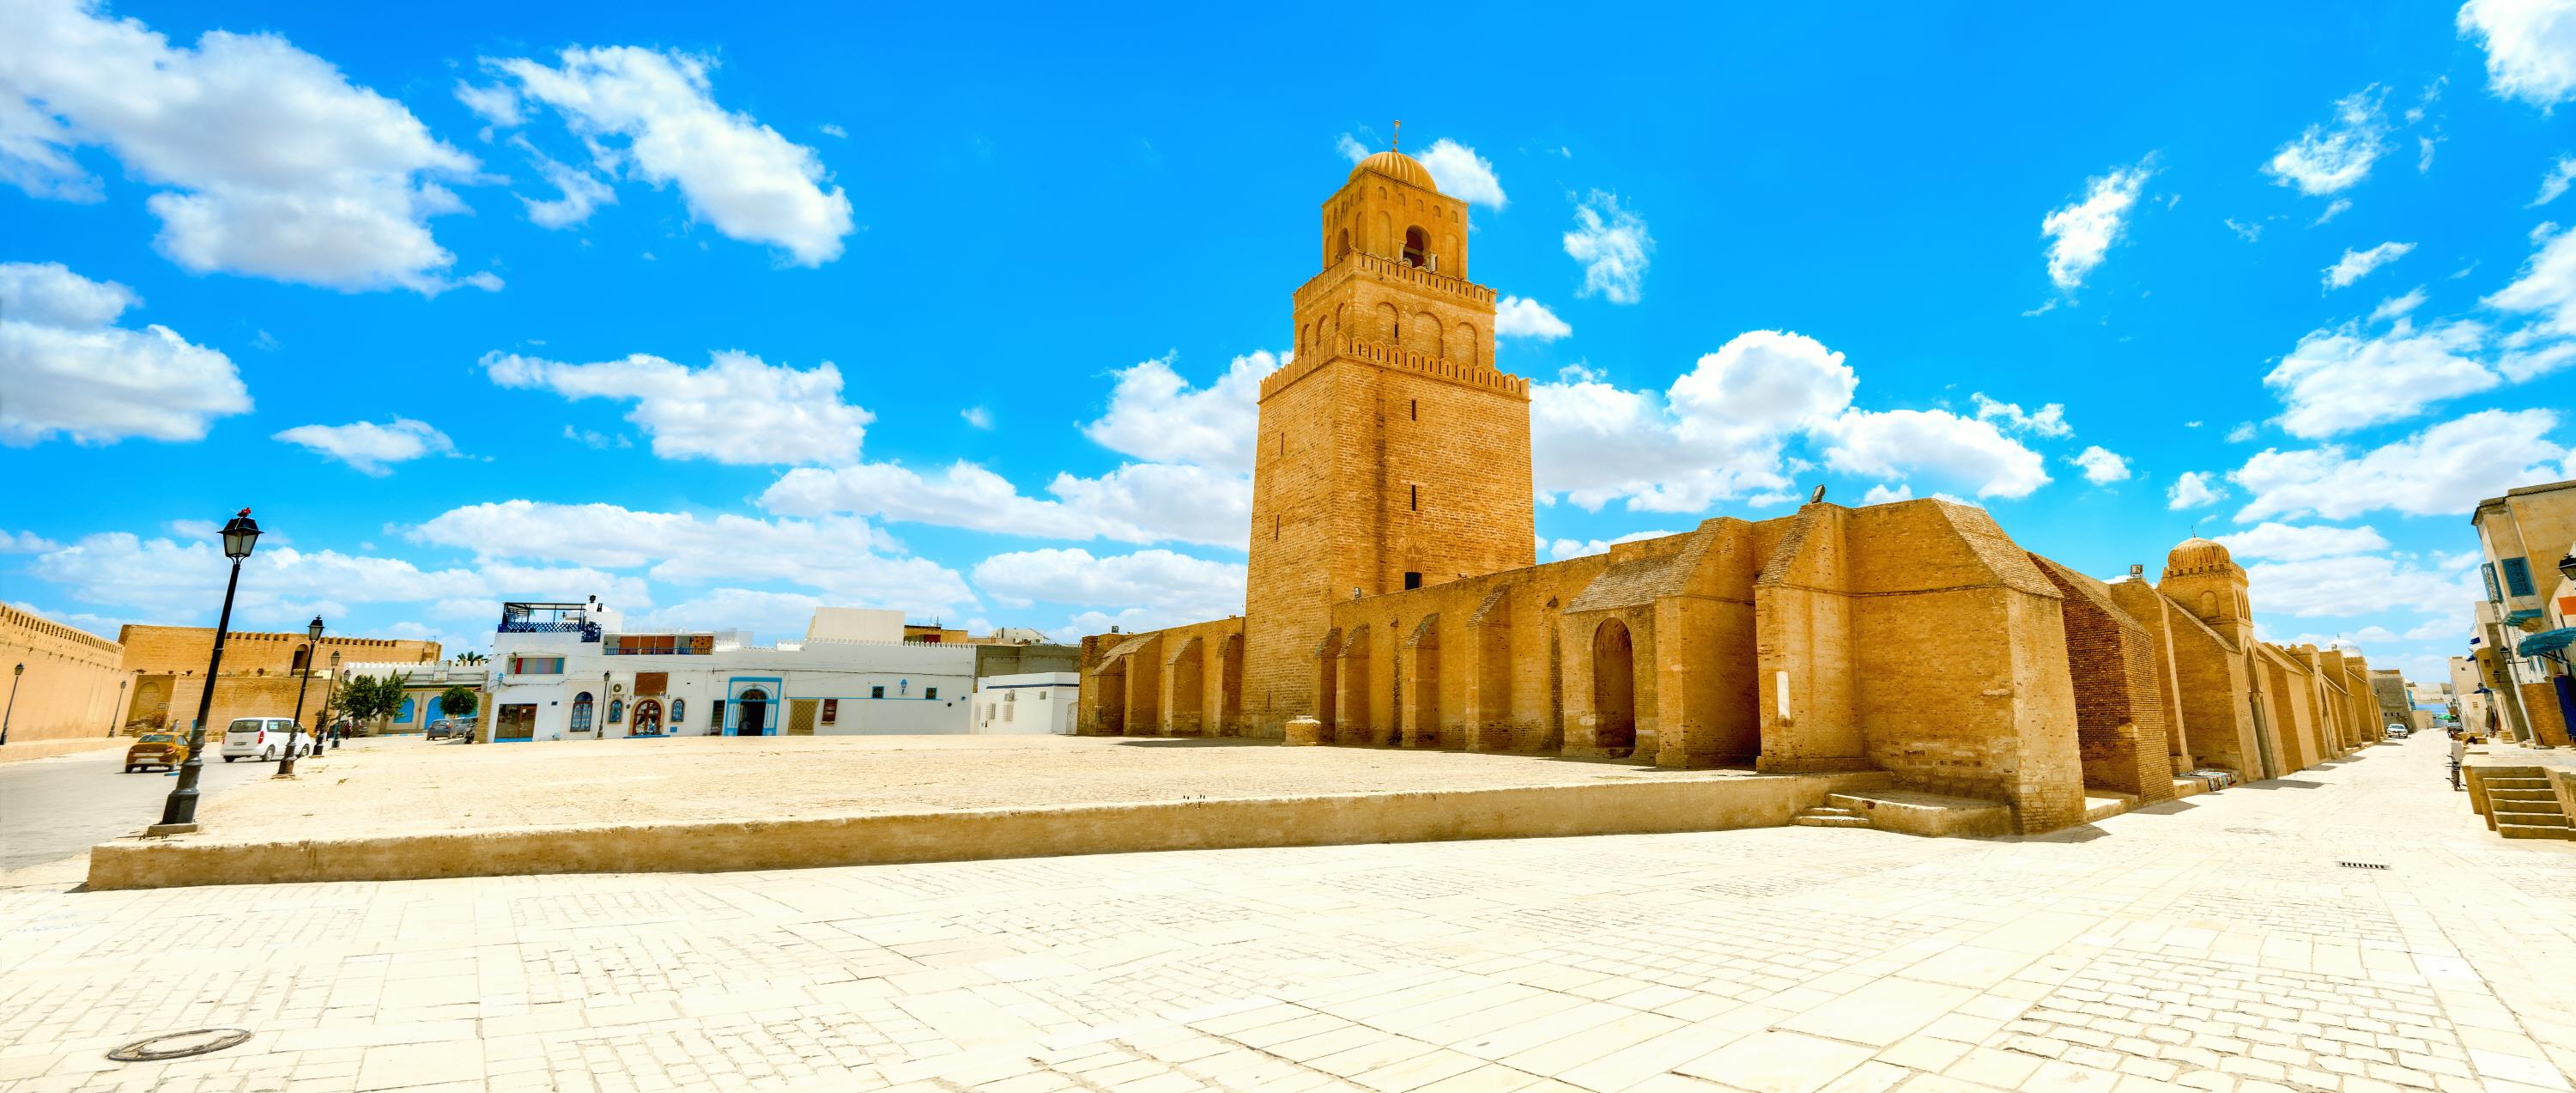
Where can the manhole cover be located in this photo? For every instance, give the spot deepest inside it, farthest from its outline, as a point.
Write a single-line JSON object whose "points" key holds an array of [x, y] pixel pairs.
{"points": [[179, 1045]]}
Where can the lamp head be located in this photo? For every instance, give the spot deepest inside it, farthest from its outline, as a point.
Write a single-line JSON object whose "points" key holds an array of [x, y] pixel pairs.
{"points": [[240, 535], [314, 631]]}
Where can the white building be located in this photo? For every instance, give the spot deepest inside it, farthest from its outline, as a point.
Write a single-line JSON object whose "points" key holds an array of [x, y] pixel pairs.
{"points": [[1034, 703], [572, 671]]}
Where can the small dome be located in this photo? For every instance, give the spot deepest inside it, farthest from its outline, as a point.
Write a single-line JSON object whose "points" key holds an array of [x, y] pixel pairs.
{"points": [[2196, 555], [1398, 166]]}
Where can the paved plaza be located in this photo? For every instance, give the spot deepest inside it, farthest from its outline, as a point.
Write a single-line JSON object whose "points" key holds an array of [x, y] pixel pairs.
{"points": [[2353, 929]]}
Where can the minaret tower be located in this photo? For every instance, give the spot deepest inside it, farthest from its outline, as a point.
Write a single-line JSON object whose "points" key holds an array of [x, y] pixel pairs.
{"points": [[1392, 454]]}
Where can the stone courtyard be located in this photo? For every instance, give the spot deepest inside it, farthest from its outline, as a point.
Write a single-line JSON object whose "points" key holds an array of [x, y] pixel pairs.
{"points": [[2352, 929]]}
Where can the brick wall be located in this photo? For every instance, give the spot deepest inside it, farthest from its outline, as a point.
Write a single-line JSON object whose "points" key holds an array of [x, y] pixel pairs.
{"points": [[70, 688], [2119, 712]]}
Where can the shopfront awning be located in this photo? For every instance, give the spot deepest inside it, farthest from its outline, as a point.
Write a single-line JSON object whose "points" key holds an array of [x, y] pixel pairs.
{"points": [[2547, 642]]}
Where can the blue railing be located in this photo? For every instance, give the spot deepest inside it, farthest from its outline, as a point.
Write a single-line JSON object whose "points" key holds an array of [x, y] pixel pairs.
{"points": [[589, 631]]}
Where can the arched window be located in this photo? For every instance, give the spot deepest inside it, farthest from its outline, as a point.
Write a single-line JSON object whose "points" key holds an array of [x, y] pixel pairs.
{"points": [[679, 712], [1417, 247], [616, 710], [1341, 244], [581, 712]]}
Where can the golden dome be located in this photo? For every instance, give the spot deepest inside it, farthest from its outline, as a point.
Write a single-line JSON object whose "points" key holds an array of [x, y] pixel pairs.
{"points": [[1398, 166], [2198, 555]]}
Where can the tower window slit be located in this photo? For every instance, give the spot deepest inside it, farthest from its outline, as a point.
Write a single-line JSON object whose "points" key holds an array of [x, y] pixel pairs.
{"points": [[1413, 497]]}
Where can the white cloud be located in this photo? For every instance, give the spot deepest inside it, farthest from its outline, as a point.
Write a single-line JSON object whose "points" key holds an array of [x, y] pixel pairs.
{"points": [[2080, 233], [732, 171], [1887, 444], [1350, 148], [1881, 494], [166, 580], [25, 542], [271, 162], [2396, 306], [368, 447], [976, 417], [1519, 317], [2359, 584], [2424, 152], [736, 410], [2555, 183], [846, 559], [1614, 247], [1136, 503], [2293, 543], [2247, 232], [2530, 44], [1563, 549], [582, 192], [1154, 414], [2050, 420], [496, 105], [2335, 208], [2337, 155], [2439, 472], [2243, 432], [2191, 490], [1463, 174], [769, 616], [2355, 265], [2340, 380], [71, 372], [1148, 588], [2101, 466], [1716, 433], [2545, 290]]}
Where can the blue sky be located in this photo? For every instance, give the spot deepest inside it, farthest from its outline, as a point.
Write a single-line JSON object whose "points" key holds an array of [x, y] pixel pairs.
{"points": [[721, 314]]}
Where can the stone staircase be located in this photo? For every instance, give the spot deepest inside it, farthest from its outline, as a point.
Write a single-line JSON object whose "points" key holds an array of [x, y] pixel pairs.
{"points": [[2524, 804], [1910, 812], [1830, 816]]}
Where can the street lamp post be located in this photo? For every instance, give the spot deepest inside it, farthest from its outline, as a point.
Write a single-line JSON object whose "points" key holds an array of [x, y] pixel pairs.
{"points": [[331, 689], [179, 813], [16, 676], [116, 710], [286, 765]]}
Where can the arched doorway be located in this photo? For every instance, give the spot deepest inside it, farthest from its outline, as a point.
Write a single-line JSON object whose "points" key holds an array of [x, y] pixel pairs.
{"points": [[1614, 688], [1229, 702], [751, 713], [1357, 722], [648, 719]]}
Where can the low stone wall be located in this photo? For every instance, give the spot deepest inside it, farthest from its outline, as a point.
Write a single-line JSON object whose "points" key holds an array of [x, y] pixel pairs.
{"points": [[1627, 808], [19, 751]]}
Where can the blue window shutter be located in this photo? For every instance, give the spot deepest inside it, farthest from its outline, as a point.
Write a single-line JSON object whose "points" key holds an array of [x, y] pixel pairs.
{"points": [[2517, 576]]}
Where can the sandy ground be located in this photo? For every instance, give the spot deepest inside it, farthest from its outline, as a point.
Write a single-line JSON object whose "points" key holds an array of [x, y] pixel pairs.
{"points": [[431, 787]]}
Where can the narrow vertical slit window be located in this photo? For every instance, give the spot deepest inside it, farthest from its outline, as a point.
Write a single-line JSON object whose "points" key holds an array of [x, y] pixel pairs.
{"points": [[1413, 497]]}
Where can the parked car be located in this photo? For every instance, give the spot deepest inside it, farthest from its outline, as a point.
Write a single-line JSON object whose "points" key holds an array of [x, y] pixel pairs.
{"points": [[156, 749], [265, 738], [441, 729], [2397, 732]]}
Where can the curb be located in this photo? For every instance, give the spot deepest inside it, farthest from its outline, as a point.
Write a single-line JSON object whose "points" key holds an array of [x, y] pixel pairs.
{"points": [[1626, 808]]}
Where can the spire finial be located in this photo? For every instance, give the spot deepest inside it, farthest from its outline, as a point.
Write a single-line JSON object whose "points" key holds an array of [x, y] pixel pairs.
{"points": [[1399, 134]]}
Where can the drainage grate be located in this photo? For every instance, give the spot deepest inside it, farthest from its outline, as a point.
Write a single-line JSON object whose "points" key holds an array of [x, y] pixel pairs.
{"points": [[2361, 865], [179, 1045]]}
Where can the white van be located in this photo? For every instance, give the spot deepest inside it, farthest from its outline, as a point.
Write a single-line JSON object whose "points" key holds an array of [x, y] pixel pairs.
{"points": [[265, 738]]}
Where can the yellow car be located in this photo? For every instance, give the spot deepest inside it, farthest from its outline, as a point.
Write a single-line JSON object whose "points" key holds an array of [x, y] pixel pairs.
{"points": [[156, 749]]}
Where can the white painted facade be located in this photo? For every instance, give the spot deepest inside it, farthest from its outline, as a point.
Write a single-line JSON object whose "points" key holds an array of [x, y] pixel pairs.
{"points": [[575, 683], [1035, 703]]}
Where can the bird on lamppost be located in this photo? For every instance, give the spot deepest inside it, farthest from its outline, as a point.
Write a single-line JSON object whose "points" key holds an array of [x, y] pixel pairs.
{"points": [[179, 813], [313, 631]]}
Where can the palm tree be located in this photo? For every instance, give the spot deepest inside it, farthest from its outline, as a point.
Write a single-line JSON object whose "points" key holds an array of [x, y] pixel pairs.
{"points": [[471, 658]]}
